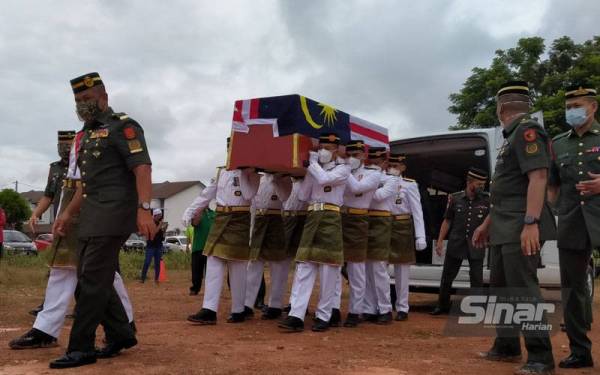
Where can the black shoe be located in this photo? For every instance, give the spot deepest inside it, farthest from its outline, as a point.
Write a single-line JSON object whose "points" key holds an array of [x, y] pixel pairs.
{"points": [[248, 312], [401, 316], [272, 313], [384, 318], [535, 368], [577, 361], [439, 311], [193, 292], [237, 317], [292, 324], [35, 311], [259, 305], [495, 356], [32, 340], [372, 318], [113, 349], [336, 318], [133, 327], [74, 359], [352, 320], [204, 317], [320, 325]]}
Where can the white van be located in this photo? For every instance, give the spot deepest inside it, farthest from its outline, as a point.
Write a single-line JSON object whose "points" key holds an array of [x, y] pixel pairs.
{"points": [[439, 164]]}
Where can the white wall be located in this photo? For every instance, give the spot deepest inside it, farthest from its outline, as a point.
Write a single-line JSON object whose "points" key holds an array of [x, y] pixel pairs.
{"points": [[176, 205]]}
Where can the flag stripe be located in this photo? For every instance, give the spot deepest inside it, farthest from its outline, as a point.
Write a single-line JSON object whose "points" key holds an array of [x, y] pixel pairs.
{"points": [[358, 129], [254, 108]]}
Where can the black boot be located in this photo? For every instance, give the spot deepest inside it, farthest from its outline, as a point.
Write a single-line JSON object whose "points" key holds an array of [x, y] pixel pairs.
{"points": [[401, 316], [113, 349], [577, 361], [352, 320], [32, 340], [439, 311], [384, 318], [204, 317], [74, 359], [248, 312], [292, 324], [320, 325], [494, 355], [536, 368], [336, 318], [237, 317], [372, 318], [271, 313]]}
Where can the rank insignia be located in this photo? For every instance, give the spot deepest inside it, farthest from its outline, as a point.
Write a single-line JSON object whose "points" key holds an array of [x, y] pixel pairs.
{"points": [[129, 133], [101, 133], [531, 148], [593, 150], [134, 146], [236, 181], [327, 189], [237, 193], [530, 135], [96, 154]]}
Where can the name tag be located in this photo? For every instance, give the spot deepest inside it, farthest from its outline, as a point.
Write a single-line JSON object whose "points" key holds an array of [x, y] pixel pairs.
{"points": [[236, 181], [237, 193], [101, 133]]}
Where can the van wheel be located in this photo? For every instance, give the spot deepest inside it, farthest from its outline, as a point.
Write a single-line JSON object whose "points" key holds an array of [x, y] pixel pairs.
{"points": [[590, 280]]}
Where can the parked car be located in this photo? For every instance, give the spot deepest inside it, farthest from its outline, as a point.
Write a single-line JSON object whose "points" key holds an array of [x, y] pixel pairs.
{"points": [[175, 243], [135, 242], [16, 242], [43, 241], [439, 164]]}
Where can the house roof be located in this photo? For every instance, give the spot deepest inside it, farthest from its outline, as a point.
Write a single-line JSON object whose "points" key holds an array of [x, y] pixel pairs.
{"points": [[33, 196], [167, 189]]}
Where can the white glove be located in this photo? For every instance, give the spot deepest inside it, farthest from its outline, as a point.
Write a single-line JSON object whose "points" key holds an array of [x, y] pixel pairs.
{"points": [[420, 244], [313, 157]]}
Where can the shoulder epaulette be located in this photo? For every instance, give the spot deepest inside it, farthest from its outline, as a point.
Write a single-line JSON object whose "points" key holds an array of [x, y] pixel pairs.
{"points": [[458, 194], [408, 179], [120, 116], [562, 135]]}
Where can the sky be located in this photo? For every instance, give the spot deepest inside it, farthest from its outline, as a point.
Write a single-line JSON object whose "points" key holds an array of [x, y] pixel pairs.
{"points": [[178, 66]]}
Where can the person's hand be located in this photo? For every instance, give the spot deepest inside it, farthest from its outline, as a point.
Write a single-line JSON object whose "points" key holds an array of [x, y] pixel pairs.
{"points": [[439, 248], [481, 236], [530, 239], [590, 187], [61, 224], [196, 218], [145, 224], [420, 244], [313, 157], [33, 222]]}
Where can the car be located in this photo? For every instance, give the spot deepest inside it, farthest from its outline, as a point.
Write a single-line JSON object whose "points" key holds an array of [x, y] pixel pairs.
{"points": [[43, 241], [18, 243], [175, 243], [439, 163], [135, 242]]}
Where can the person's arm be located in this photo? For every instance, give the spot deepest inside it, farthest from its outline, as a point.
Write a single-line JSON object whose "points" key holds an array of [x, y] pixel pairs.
{"points": [[41, 207], [368, 183], [201, 201], [143, 184], [305, 189], [389, 188], [336, 176], [536, 194], [444, 229], [283, 187], [249, 182], [62, 223], [414, 200], [482, 233], [590, 187]]}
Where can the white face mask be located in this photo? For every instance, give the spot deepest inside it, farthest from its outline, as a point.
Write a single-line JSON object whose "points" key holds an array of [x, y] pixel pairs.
{"points": [[354, 162], [394, 171], [325, 156]]}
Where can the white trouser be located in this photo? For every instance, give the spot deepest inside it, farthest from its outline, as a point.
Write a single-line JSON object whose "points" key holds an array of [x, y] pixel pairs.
{"points": [[279, 271], [401, 273], [304, 280], [215, 273], [357, 281], [377, 295], [337, 298], [59, 292]]}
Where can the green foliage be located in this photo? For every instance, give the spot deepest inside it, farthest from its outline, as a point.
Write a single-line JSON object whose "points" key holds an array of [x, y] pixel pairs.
{"points": [[548, 73], [15, 207]]}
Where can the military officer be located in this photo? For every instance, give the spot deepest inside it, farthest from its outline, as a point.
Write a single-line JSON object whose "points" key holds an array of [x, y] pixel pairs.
{"points": [[465, 212], [360, 188], [518, 222], [267, 244], [228, 241], [378, 304], [63, 260], [574, 174], [320, 250], [408, 231], [115, 190]]}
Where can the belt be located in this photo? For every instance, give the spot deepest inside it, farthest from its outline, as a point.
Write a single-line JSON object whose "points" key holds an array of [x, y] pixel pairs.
{"points": [[323, 207], [402, 217], [380, 213], [267, 211], [294, 213], [355, 211], [71, 183], [233, 209]]}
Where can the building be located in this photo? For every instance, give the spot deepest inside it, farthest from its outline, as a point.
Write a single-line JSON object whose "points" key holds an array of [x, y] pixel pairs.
{"points": [[171, 197]]}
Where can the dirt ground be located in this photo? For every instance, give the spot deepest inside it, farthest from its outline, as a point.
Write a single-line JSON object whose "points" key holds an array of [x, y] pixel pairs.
{"points": [[169, 345]]}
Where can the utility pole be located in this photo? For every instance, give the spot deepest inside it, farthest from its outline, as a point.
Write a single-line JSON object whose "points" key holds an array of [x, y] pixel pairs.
{"points": [[17, 186]]}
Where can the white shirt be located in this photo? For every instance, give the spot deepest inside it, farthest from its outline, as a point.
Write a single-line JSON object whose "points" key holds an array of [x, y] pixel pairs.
{"points": [[73, 170], [408, 201], [361, 186], [293, 201], [385, 195], [325, 184], [267, 196], [229, 188]]}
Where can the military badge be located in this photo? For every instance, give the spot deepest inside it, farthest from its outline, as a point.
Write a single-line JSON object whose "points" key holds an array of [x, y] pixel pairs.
{"points": [[88, 82], [531, 148], [101, 133], [530, 135], [237, 193], [398, 200], [96, 154], [129, 133], [134, 146], [236, 181], [327, 189]]}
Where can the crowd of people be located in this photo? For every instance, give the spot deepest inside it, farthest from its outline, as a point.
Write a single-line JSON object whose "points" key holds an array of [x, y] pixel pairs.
{"points": [[354, 208]]}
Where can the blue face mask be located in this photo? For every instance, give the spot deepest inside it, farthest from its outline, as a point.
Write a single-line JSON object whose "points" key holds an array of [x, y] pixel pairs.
{"points": [[576, 117]]}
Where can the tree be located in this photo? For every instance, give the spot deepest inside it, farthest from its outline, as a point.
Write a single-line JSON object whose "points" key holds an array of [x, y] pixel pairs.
{"points": [[15, 207], [548, 74]]}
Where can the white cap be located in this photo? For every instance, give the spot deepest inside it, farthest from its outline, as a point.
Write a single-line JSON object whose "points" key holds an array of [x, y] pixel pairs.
{"points": [[156, 212]]}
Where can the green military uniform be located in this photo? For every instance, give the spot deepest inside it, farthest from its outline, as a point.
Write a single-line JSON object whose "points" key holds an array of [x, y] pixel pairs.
{"points": [[578, 230], [526, 148], [56, 175], [111, 146], [465, 216]]}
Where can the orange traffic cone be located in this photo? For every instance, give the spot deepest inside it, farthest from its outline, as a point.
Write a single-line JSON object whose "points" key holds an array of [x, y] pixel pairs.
{"points": [[162, 275]]}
